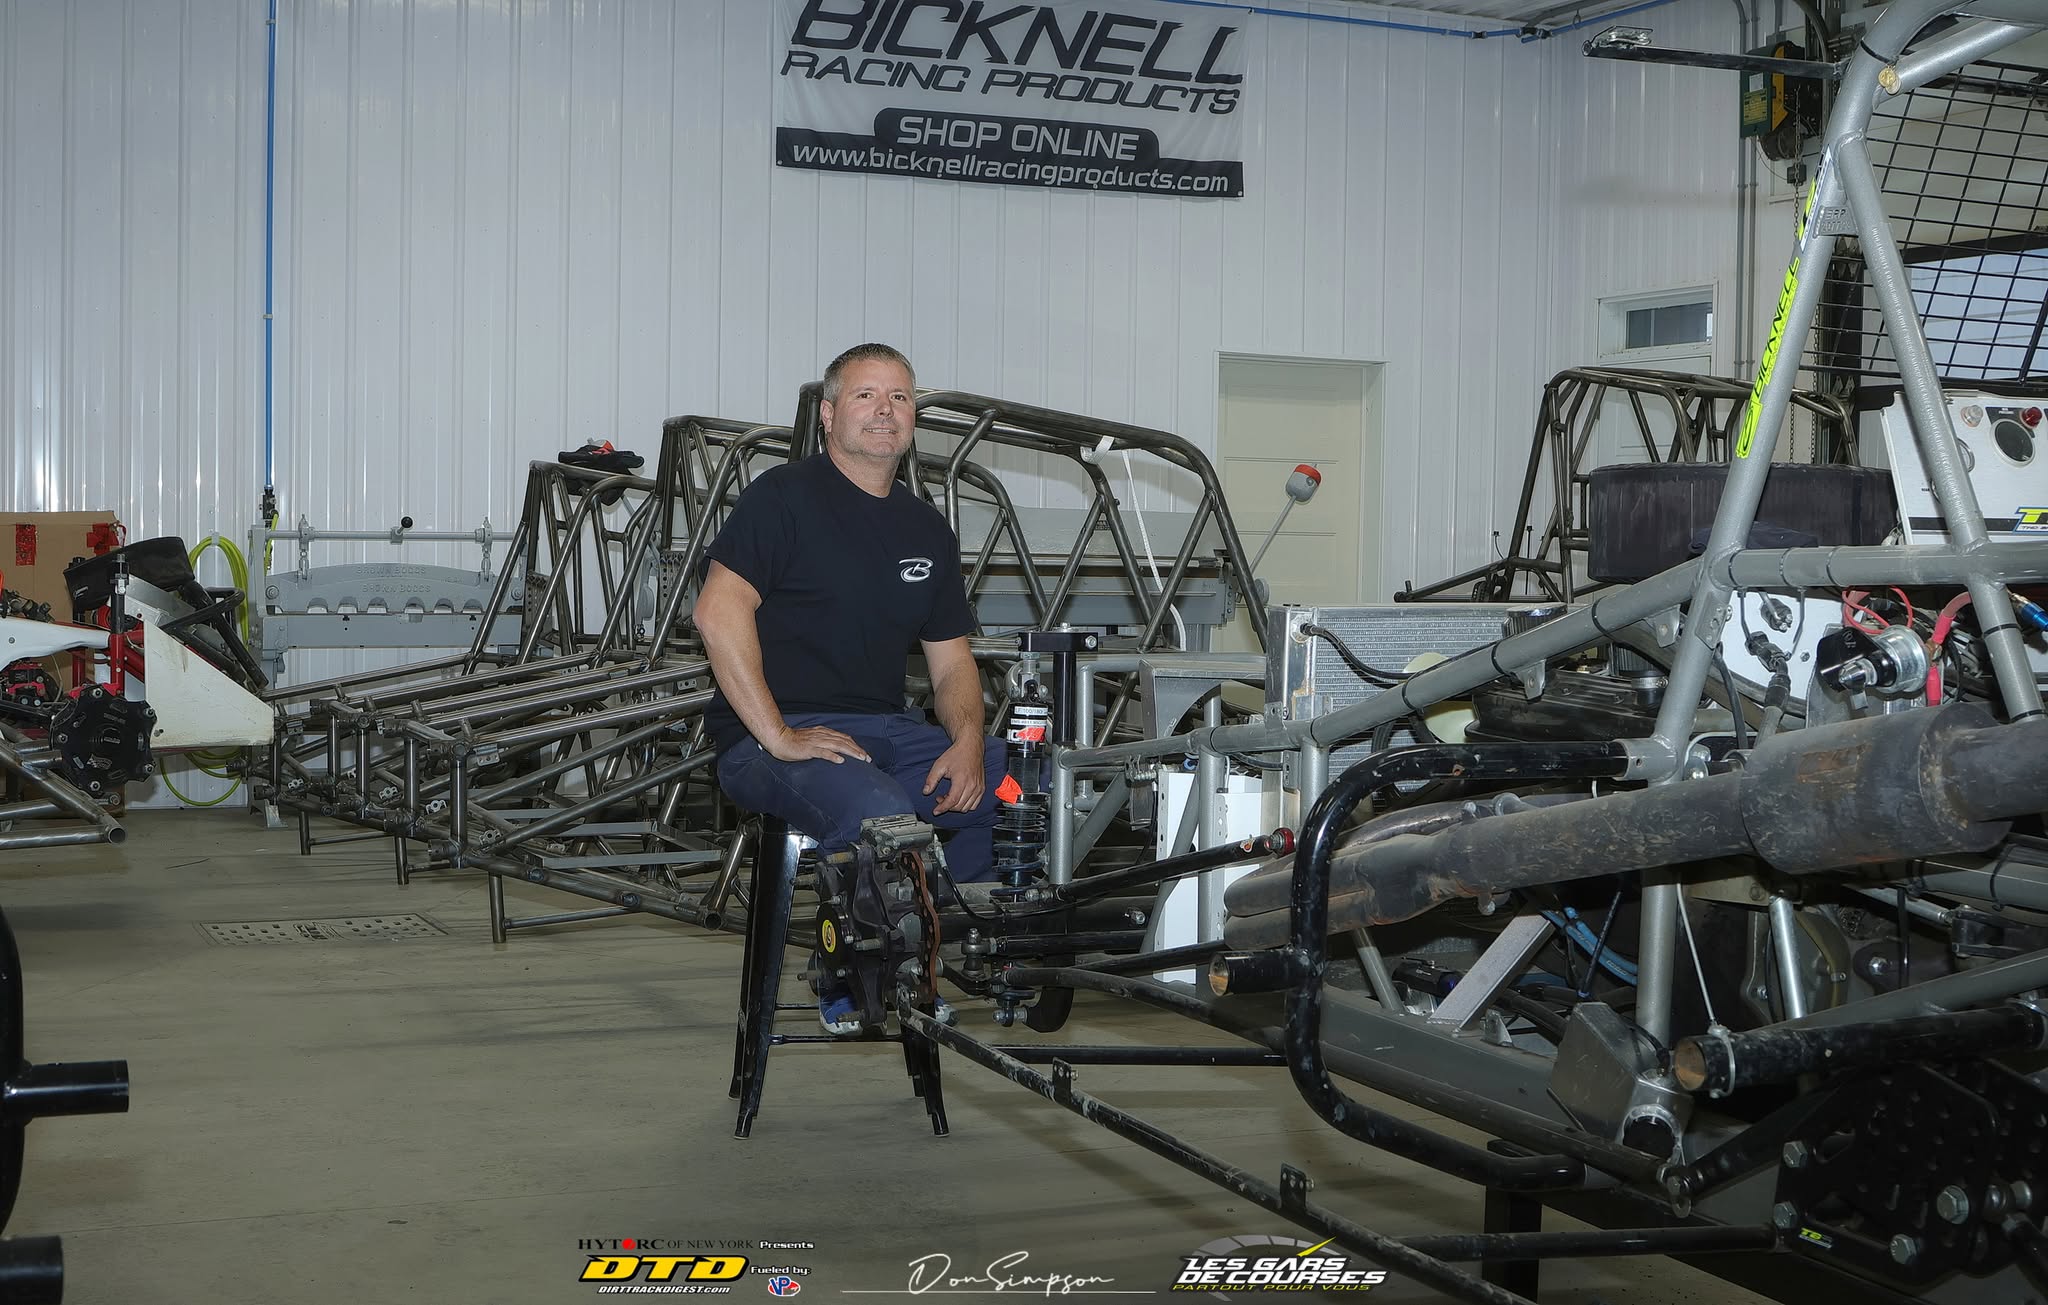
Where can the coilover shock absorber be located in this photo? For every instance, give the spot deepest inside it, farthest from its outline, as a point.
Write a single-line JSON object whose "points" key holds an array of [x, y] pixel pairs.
{"points": [[1043, 721], [1022, 808]]}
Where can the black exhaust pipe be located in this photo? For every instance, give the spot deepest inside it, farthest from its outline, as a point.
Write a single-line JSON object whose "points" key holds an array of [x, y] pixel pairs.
{"points": [[1885, 788]]}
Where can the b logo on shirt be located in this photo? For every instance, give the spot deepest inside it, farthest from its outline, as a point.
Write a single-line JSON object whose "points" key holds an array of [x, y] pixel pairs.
{"points": [[915, 568]]}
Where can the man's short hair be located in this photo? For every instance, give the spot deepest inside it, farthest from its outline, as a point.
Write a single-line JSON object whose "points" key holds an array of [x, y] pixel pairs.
{"points": [[864, 353]]}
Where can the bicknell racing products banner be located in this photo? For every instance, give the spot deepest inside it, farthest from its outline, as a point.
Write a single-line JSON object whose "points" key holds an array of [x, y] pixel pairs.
{"points": [[1117, 95]]}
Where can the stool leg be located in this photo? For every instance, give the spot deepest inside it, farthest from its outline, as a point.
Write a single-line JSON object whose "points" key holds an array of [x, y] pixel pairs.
{"points": [[1512, 1212], [770, 911], [913, 1063], [740, 1044], [921, 1058]]}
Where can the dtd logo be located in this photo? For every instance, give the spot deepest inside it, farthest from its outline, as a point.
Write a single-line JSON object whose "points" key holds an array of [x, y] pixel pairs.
{"points": [[663, 1268]]}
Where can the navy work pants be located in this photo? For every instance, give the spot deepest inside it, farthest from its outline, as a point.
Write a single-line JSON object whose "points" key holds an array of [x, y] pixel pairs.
{"points": [[828, 800]]}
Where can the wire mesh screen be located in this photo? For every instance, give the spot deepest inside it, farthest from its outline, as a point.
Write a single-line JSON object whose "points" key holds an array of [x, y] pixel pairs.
{"points": [[1963, 164]]}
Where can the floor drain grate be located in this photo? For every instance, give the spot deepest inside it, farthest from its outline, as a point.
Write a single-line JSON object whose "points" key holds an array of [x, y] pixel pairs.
{"points": [[352, 928]]}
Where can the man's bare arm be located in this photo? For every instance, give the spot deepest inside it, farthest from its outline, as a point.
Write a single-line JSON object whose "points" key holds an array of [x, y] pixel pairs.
{"points": [[956, 696], [724, 616]]}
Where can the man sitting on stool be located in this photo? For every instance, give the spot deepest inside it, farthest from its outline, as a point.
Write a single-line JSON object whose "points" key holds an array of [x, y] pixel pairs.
{"points": [[825, 573]]}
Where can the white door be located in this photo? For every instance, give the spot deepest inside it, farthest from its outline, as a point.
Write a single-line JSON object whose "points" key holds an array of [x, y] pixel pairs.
{"points": [[1274, 414]]}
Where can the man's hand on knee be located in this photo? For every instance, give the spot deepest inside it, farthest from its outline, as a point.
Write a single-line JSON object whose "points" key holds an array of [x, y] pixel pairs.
{"points": [[815, 743], [961, 765]]}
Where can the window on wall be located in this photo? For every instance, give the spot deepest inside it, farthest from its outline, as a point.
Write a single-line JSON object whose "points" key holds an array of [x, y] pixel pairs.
{"points": [[1659, 331], [1657, 326]]}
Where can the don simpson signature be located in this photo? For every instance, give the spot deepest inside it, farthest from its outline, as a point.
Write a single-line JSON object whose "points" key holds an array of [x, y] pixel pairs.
{"points": [[1005, 1273]]}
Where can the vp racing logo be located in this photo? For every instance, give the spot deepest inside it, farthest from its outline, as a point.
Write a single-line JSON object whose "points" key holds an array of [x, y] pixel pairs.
{"points": [[1259, 1263], [915, 568]]}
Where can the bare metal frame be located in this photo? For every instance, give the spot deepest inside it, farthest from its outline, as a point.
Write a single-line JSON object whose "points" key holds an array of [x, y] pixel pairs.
{"points": [[1706, 418], [599, 708]]}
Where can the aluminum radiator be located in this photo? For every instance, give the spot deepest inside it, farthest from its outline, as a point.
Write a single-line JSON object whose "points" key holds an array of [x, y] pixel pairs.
{"points": [[1306, 677]]}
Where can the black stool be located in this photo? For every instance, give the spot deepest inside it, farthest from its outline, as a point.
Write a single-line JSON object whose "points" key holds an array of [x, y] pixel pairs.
{"points": [[778, 850]]}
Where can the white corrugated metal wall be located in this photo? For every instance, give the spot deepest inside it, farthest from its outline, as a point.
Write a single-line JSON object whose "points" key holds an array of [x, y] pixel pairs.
{"points": [[131, 205], [1644, 191], [1644, 183], [505, 227]]}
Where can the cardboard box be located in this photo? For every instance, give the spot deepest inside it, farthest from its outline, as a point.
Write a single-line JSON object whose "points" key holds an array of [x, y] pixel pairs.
{"points": [[35, 547]]}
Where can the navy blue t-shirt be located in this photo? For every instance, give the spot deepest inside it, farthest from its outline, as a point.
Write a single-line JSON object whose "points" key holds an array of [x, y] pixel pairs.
{"points": [[849, 585]]}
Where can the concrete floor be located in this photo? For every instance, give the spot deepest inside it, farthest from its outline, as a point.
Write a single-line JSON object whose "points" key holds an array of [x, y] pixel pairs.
{"points": [[442, 1120]]}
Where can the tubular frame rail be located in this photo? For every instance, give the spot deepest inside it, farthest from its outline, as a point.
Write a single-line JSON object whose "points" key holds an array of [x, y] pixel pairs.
{"points": [[974, 419], [61, 814]]}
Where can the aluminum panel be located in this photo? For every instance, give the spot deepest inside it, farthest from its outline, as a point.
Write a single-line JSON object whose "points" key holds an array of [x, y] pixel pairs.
{"points": [[1306, 677]]}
